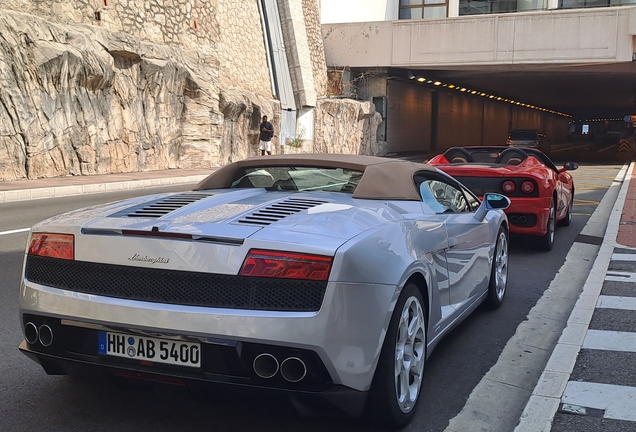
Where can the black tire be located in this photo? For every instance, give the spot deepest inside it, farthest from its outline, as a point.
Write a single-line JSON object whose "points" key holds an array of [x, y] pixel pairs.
{"points": [[546, 242], [568, 217], [499, 271], [383, 405]]}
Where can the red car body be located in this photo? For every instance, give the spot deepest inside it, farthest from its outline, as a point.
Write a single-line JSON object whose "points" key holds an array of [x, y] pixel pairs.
{"points": [[483, 170]]}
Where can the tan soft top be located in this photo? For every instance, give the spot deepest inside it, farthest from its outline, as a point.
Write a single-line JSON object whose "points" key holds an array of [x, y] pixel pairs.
{"points": [[382, 178]]}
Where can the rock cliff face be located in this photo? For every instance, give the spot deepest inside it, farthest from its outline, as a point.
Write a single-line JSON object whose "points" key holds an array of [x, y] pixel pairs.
{"points": [[77, 99], [85, 100], [347, 126]]}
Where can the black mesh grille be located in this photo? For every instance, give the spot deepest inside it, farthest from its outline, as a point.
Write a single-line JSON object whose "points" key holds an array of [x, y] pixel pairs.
{"points": [[176, 287], [280, 210], [162, 206]]}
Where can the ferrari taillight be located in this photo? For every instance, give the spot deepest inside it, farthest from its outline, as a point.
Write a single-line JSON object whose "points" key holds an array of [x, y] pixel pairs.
{"points": [[508, 186], [53, 245], [527, 187], [287, 265]]}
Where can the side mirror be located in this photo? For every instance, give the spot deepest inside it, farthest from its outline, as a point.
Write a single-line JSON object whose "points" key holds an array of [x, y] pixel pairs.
{"points": [[569, 166], [491, 201]]}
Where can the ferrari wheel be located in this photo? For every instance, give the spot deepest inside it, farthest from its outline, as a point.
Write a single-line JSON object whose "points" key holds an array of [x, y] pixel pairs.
{"points": [[568, 217], [398, 378], [499, 271], [547, 240]]}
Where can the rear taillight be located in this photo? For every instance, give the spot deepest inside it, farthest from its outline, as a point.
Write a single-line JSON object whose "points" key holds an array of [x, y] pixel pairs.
{"points": [[53, 245], [508, 142], [508, 186], [288, 265], [527, 187]]}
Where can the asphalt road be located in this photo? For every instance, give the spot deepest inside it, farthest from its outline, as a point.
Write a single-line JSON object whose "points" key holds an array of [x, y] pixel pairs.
{"points": [[32, 401]]}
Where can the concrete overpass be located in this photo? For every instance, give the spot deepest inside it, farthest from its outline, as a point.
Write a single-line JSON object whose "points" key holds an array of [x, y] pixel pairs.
{"points": [[574, 62]]}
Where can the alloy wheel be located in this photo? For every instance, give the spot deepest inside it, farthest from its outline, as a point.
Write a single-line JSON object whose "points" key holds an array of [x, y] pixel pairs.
{"points": [[501, 266], [551, 223], [409, 354]]}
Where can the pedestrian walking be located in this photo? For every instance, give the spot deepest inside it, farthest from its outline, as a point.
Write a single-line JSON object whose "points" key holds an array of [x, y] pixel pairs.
{"points": [[265, 137]]}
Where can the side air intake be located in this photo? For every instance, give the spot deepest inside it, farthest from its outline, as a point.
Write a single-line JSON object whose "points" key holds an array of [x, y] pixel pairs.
{"points": [[161, 207], [280, 210]]}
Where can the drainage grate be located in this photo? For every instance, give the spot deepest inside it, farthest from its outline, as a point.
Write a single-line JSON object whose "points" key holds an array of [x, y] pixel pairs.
{"points": [[280, 210], [161, 207]]}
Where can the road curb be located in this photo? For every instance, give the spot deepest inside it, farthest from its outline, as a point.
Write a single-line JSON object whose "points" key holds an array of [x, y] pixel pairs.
{"points": [[546, 397], [64, 191]]}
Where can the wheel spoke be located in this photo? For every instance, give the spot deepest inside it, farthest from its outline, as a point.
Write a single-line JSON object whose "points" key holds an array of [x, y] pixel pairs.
{"points": [[410, 354]]}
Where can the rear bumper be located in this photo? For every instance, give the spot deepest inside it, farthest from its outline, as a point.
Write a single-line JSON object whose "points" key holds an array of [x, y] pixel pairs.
{"points": [[335, 399], [533, 208], [347, 348]]}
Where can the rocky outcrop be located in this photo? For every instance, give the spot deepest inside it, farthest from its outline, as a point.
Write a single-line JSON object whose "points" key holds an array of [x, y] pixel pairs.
{"points": [[84, 100], [347, 126], [243, 112]]}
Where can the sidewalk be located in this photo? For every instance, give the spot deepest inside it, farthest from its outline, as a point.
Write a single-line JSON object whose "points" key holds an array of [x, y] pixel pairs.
{"points": [[589, 383], [21, 190]]}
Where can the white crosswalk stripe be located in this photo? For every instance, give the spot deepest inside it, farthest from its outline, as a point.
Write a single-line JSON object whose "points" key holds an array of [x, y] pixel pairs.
{"points": [[616, 302], [619, 402], [620, 276], [623, 257], [610, 340]]}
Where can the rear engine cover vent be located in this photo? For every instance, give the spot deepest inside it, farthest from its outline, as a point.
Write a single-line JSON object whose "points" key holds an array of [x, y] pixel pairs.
{"points": [[280, 210], [161, 207]]}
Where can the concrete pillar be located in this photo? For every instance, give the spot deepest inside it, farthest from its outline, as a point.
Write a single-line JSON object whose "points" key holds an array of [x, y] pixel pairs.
{"points": [[453, 8], [298, 52]]}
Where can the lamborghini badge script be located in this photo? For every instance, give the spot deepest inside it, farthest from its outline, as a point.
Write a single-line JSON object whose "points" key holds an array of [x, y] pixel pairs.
{"points": [[160, 260]]}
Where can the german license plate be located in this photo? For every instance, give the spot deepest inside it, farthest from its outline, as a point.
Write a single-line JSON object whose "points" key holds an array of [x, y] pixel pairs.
{"points": [[149, 349]]}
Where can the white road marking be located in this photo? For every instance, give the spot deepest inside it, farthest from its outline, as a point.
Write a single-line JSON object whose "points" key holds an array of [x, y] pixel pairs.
{"points": [[623, 257], [14, 231], [616, 302], [619, 402], [610, 341], [620, 276]]}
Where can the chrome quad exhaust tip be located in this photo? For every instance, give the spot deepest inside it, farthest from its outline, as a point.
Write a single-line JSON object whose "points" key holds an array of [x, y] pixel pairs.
{"points": [[46, 335], [293, 369], [265, 365], [31, 333]]}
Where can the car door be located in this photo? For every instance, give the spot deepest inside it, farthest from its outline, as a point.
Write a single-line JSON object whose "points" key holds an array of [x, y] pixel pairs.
{"points": [[469, 240]]}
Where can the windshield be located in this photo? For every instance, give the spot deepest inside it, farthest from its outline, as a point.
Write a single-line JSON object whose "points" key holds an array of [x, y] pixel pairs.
{"points": [[523, 135], [296, 178]]}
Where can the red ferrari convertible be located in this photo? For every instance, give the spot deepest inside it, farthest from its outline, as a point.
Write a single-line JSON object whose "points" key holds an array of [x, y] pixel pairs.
{"points": [[542, 195]]}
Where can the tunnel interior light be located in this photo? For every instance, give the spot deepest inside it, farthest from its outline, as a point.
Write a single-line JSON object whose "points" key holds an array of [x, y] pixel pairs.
{"points": [[439, 83]]}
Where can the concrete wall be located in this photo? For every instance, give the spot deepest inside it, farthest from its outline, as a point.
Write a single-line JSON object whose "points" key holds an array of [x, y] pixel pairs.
{"points": [[409, 114], [311, 13], [338, 11], [572, 36], [241, 48], [461, 120], [190, 24]]}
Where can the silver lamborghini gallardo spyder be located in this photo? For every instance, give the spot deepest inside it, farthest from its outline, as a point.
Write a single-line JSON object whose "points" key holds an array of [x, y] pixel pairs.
{"points": [[326, 278]]}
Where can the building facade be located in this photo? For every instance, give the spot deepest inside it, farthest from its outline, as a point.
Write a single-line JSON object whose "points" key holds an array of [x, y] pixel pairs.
{"points": [[443, 74]]}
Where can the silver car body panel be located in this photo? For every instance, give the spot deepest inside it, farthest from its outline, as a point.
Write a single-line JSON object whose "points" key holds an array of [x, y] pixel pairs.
{"points": [[377, 247]]}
